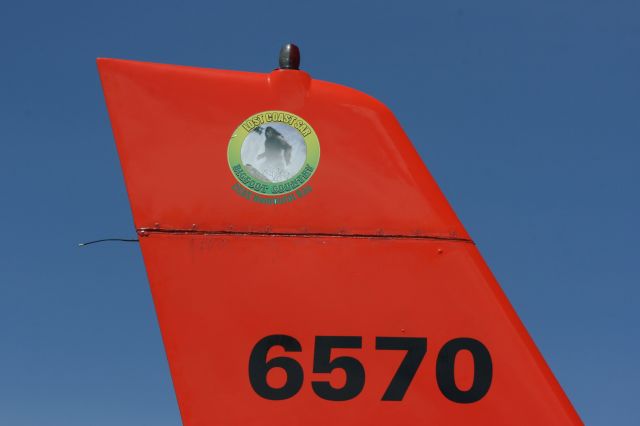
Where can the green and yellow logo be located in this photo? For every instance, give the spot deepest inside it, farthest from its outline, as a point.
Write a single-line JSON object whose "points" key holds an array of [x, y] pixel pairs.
{"points": [[273, 154]]}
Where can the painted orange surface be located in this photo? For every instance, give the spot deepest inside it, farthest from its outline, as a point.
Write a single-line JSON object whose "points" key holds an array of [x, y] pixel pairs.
{"points": [[368, 250]]}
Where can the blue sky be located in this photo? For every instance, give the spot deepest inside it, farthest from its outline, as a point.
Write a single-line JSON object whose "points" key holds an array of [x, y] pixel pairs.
{"points": [[527, 114]]}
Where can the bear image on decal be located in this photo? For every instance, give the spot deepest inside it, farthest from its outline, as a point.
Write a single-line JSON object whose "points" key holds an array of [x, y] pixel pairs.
{"points": [[273, 152]]}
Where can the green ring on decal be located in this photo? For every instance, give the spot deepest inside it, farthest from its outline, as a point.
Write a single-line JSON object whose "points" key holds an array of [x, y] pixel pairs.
{"points": [[273, 152]]}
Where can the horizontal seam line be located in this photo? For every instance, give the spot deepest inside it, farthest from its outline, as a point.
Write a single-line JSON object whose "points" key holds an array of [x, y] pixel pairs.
{"points": [[146, 231]]}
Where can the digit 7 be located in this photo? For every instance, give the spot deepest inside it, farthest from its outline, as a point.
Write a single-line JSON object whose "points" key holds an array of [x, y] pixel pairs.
{"points": [[416, 348]]}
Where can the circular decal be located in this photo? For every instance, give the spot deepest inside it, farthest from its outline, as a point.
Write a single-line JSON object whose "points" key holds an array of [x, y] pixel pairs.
{"points": [[273, 152]]}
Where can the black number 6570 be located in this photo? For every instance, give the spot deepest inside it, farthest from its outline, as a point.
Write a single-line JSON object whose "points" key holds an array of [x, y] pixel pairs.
{"points": [[415, 347]]}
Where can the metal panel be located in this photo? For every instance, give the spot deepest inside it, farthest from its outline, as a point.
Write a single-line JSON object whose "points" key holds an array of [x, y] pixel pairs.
{"points": [[367, 253], [173, 124], [217, 296]]}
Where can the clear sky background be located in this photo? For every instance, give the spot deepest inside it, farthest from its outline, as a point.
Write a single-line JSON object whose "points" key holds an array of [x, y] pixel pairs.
{"points": [[527, 114]]}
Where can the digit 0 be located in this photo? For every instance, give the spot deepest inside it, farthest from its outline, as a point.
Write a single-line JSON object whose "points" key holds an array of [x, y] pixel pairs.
{"points": [[482, 370]]}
